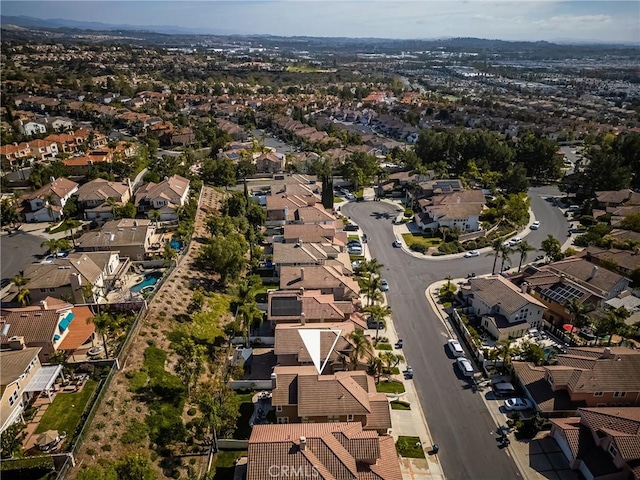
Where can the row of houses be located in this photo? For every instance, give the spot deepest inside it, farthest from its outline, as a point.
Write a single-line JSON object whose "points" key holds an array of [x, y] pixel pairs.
{"points": [[99, 197], [321, 414]]}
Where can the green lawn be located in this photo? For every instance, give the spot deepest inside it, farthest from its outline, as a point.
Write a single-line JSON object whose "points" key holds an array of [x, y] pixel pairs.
{"points": [[353, 237], [390, 387], [65, 411], [410, 238], [67, 224], [400, 405], [338, 199], [406, 447], [384, 346], [225, 462]]}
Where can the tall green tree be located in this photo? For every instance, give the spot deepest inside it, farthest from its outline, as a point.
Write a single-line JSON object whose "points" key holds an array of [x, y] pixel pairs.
{"points": [[361, 347], [225, 255], [191, 364], [523, 248], [390, 360], [379, 313], [539, 156], [578, 311], [360, 169], [552, 248]]}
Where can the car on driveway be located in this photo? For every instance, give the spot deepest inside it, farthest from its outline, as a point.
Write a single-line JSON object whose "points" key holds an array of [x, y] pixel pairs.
{"points": [[472, 253], [355, 249], [351, 227], [535, 225], [397, 244], [517, 404], [384, 285]]}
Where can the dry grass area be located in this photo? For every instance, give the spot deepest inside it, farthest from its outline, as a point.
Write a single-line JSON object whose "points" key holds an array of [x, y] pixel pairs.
{"points": [[120, 407]]}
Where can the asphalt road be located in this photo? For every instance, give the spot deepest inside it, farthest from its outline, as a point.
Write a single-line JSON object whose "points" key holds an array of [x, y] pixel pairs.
{"points": [[272, 142], [458, 418], [19, 250]]}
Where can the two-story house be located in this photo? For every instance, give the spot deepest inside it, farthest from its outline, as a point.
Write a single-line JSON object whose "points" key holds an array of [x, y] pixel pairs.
{"points": [[99, 197], [312, 233], [601, 443], [271, 162], [46, 203], [325, 278], [457, 210], [166, 197], [306, 254], [326, 450], [583, 377], [300, 395], [43, 149], [15, 154], [281, 209], [130, 237], [81, 277], [573, 278], [45, 326], [505, 310]]}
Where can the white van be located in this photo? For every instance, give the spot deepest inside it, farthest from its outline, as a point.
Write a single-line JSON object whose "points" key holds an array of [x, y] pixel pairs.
{"points": [[465, 367], [455, 347]]}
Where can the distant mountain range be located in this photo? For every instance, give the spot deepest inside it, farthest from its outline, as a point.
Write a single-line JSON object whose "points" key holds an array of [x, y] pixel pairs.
{"points": [[23, 21], [62, 23]]}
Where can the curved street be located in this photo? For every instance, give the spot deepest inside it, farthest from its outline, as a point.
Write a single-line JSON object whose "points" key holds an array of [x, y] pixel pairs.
{"points": [[458, 418]]}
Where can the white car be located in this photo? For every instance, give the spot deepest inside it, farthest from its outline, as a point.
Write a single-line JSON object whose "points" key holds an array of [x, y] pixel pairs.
{"points": [[384, 285], [472, 253], [535, 225], [517, 404], [465, 367], [516, 240], [455, 347]]}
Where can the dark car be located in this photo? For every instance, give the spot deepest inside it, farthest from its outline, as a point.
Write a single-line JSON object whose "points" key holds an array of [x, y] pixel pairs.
{"points": [[471, 275], [399, 344], [352, 227], [539, 257], [374, 324]]}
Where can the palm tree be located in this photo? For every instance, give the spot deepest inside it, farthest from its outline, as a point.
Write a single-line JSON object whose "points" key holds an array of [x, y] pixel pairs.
{"points": [[496, 246], [113, 204], [169, 254], [361, 347], [54, 245], [23, 296], [103, 323], [578, 312], [391, 360], [372, 286], [87, 292], [379, 313], [448, 278], [505, 251], [376, 366], [372, 266], [523, 248], [249, 313], [154, 215], [506, 351]]}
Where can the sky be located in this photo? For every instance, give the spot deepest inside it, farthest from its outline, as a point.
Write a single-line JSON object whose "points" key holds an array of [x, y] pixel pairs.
{"points": [[607, 21]]}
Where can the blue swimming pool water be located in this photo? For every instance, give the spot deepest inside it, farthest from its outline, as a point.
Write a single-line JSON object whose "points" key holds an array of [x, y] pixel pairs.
{"points": [[149, 279], [550, 351], [176, 245]]}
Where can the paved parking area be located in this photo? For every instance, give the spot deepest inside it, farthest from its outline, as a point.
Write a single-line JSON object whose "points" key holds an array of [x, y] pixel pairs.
{"points": [[546, 459]]}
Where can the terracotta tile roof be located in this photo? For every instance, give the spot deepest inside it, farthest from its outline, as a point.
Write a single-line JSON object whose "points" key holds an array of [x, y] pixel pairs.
{"points": [[319, 277], [314, 234], [36, 326], [613, 196], [533, 379], [59, 187], [101, 189], [289, 342], [582, 270], [333, 450], [81, 331]]}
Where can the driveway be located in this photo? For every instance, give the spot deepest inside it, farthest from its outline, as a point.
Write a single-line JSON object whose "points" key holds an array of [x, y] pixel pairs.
{"points": [[457, 416]]}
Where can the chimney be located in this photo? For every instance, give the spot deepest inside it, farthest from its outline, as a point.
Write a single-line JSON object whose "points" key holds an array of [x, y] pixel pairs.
{"points": [[303, 443], [606, 353], [52, 179], [274, 380], [303, 320], [129, 187], [302, 274], [16, 343], [524, 287], [594, 270], [43, 305]]}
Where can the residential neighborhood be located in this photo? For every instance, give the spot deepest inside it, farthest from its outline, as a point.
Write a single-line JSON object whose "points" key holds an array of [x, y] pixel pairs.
{"points": [[231, 257]]}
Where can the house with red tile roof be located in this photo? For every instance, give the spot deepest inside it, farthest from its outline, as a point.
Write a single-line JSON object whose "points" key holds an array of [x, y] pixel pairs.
{"points": [[321, 450], [602, 442], [583, 377], [15, 153], [43, 149], [325, 278], [166, 196], [301, 395]]}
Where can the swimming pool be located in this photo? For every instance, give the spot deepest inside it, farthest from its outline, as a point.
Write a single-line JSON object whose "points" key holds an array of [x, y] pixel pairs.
{"points": [[149, 280], [551, 351]]}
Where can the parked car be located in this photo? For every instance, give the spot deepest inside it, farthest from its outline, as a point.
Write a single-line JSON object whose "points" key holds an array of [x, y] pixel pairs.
{"points": [[472, 253], [504, 389], [535, 225], [465, 367], [355, 249], [351, 227], [408, 373], [455, 347], [354, 242], [397, 244], [471, 275], [539, 257], [356, 264], [516, 241], [517, 404], [399, 344], [384, 285], [374, 324]]}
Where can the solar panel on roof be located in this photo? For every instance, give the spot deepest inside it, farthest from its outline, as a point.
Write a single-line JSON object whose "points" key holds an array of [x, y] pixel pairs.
{"points": [[562, 293], [286, 307]]}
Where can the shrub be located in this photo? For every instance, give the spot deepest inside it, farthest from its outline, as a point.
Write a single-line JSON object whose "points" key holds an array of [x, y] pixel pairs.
{"points": [[95, 437], [136, 432], [91, 451], [408, 212], [471, 245], [192, 411], [418, 247], [106, 448]]}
